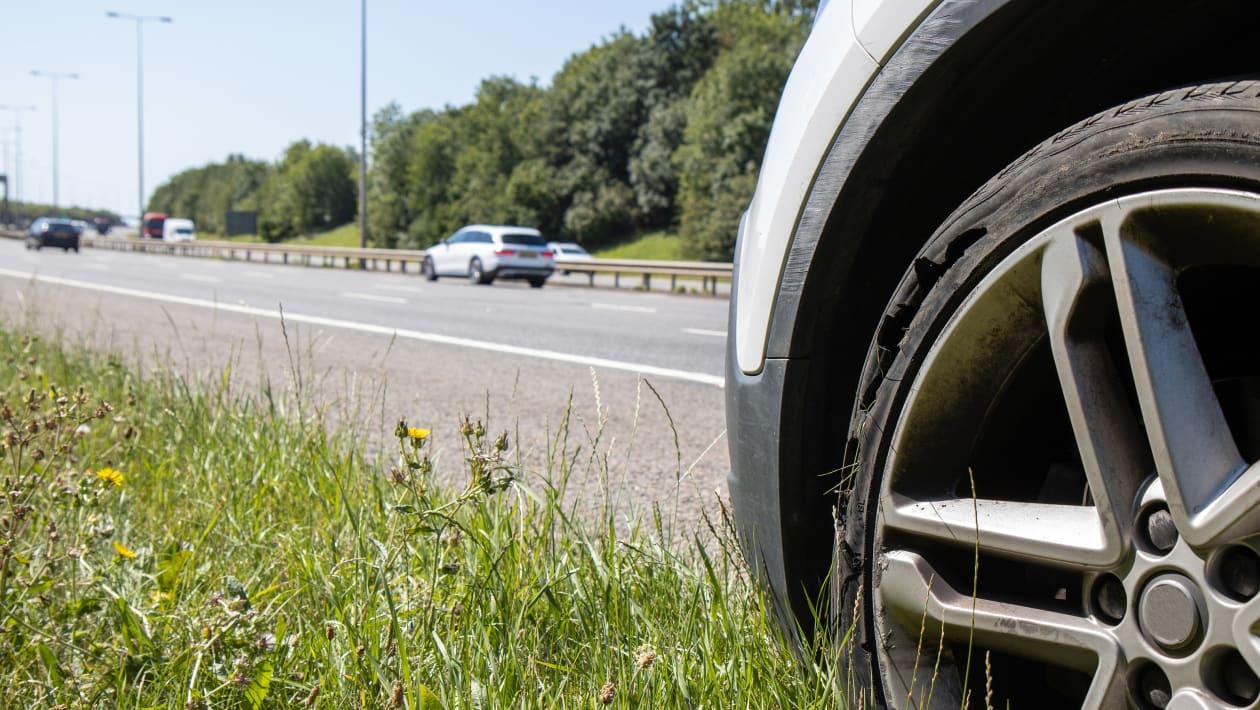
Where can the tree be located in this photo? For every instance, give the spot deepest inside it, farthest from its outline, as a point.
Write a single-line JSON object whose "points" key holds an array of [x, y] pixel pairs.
{"points": [[311, 189], [728, 122]]}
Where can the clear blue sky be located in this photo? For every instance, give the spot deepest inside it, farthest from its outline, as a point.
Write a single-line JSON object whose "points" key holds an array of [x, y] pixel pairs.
{"points": [[251, 77]]}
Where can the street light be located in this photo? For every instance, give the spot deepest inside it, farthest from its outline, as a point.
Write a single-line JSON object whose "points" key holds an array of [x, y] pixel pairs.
{"points": [[363, 222], [56, 78], [139, 20], [17, 146]]}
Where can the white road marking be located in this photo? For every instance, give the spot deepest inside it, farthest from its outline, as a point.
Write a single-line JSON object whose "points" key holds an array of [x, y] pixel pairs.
{"points": [[702, 331], [619, 307], [699, 377], [373, 297], [201, 277]]}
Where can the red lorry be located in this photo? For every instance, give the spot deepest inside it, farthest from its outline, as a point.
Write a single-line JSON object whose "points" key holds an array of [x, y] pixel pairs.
{"points": [[151, 225]]}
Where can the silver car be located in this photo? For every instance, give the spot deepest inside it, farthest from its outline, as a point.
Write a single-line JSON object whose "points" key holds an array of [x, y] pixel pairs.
{"points": [[482, 253]]}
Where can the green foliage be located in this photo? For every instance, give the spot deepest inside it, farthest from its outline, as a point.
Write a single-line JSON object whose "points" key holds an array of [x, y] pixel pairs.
{"points": [[24, 212], [728, 123], [198, 544], [311, 189], [205, 194], [637, 133]]}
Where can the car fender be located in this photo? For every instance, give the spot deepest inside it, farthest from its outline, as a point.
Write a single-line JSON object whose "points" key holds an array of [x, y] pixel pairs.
{"points": [[850, 39]]}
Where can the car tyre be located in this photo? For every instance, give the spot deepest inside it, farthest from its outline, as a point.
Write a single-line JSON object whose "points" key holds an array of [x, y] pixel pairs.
{"points": [[538, 282], [427, 270], [1191, 146], [477, 274]]}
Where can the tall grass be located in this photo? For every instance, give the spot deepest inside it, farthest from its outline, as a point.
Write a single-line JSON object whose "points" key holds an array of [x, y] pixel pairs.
{"points": [[167, 543]]}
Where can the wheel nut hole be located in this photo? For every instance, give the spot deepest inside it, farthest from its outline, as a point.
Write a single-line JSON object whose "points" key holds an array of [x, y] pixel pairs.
{"points": [[1231, 678], [1156, 531], [1109, 599], [1237, 573], [1150, 687]]}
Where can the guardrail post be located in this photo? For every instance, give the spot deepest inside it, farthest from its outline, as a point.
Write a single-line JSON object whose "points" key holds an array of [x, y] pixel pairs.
{"points": [[647, 282], [673, 282], [617, 279], [591, 276]]}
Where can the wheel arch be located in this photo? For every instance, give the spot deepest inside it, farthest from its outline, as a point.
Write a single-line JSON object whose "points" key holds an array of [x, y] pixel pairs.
{"points": [[973, 87]]}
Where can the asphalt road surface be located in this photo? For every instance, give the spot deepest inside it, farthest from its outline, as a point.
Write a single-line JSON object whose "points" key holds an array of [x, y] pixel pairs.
{"points": [[372, 347]]}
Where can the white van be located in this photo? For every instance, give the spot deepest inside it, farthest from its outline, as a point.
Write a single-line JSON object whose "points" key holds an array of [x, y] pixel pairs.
{"points": [[178, 230]]}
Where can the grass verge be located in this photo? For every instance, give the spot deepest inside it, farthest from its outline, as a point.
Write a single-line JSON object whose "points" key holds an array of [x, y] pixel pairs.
{"points": [[657, 246], [166, 543], [347, 235]]}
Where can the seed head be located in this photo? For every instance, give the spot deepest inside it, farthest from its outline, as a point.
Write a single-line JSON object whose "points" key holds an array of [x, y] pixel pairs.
{"points": [[396, 695], [607, 693], [644, 656]]}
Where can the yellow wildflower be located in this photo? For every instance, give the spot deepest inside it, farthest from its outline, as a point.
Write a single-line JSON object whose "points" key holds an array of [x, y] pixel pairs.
{"points": [[417, 435], [109, 475], [123, 551]]}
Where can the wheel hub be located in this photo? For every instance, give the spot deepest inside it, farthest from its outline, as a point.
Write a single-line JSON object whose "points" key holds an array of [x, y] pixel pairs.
{"points": [[1169, 612], [1161, 543]]}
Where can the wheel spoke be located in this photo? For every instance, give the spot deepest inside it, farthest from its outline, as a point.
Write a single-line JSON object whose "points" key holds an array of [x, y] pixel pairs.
{"points": [[1077, 296], [1068, 536], [1194, 451], [919, 599], [1245, 639]]}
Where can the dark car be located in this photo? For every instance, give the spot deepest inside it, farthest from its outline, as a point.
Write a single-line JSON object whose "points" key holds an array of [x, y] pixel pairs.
{"points": [[102, 225], [46, 232]]}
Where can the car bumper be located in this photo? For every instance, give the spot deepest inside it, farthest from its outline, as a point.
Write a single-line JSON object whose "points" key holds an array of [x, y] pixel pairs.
{"points": [[56, 242], [780, 514], [523, 272]]}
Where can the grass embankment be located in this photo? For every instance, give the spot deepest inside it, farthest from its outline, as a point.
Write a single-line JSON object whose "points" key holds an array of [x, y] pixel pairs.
{"points": [[168, 544], [347, 235], [657, 246]]}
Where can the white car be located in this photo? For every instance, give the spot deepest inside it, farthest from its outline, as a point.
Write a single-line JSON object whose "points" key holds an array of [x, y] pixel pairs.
{"points": [[990, 374], [176, 229], [568, 251], [482, 253]]}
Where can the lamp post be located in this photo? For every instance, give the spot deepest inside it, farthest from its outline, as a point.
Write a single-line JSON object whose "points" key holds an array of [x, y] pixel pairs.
{"points": [[16, 180], [56, 78], [363, 224], [139, 20]]}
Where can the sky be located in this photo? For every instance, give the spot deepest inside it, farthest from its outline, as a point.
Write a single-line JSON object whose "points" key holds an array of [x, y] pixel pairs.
{"points": [[231, 76]]}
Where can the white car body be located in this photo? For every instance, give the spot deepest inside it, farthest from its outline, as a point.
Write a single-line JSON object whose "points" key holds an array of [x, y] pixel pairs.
{"points": [[849, 41], [568, 251], [176, 229], [502, 251]]}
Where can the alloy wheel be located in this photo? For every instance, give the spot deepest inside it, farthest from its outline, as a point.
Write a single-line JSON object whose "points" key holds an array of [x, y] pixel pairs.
{"points": [[1070, 497]]}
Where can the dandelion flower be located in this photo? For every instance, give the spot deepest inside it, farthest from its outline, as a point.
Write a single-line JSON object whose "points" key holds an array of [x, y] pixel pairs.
{"points": [[111, 476], [123, 551], [417, 434]]}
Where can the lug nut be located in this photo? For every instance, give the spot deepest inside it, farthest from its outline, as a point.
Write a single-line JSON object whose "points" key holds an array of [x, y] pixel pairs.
{"points": [[1110, 599], [1240, 572], [1160, 530], [1154, 687]]}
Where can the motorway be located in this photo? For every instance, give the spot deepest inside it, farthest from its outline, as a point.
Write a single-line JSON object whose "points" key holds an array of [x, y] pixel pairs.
{"points": [[380, 346]]}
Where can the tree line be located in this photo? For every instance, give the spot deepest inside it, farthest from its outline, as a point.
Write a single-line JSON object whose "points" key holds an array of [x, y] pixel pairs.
{"points": [[659, 130]]}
